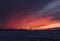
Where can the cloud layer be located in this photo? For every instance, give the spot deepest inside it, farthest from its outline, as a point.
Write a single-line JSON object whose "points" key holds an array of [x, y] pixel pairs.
{"points": [[51, 9], [30, 13]]}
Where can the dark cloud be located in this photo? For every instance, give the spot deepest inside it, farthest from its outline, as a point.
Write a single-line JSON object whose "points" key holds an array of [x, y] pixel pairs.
{"points": [[51, 9], [56, 16]]}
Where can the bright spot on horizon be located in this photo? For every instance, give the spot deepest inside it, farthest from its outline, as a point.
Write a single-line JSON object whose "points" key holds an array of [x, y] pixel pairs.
{"points": [[48, 26]]}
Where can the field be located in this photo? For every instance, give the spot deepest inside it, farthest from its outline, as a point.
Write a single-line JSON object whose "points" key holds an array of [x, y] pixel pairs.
{"points": [[29, 35]]}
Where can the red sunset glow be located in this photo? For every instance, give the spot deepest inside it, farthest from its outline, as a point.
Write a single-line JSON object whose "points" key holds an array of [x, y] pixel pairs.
{"points": [[32, 23]]}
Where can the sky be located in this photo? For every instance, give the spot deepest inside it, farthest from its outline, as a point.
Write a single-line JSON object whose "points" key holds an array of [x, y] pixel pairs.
{"points": [[30, 14]]}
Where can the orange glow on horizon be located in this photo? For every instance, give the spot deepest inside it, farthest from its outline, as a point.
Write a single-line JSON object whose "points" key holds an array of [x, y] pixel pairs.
{"points": [[48, 26]]}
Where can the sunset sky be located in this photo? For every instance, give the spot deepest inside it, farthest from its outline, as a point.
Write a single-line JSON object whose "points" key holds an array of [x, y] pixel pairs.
{"points": [[31, 15]]}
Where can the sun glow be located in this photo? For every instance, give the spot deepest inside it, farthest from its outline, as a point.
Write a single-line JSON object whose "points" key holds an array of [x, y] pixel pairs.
{"points": [[48, 26]]}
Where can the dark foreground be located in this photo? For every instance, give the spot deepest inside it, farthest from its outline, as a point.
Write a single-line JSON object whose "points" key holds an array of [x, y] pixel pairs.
{"points": [[25, 35]]}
